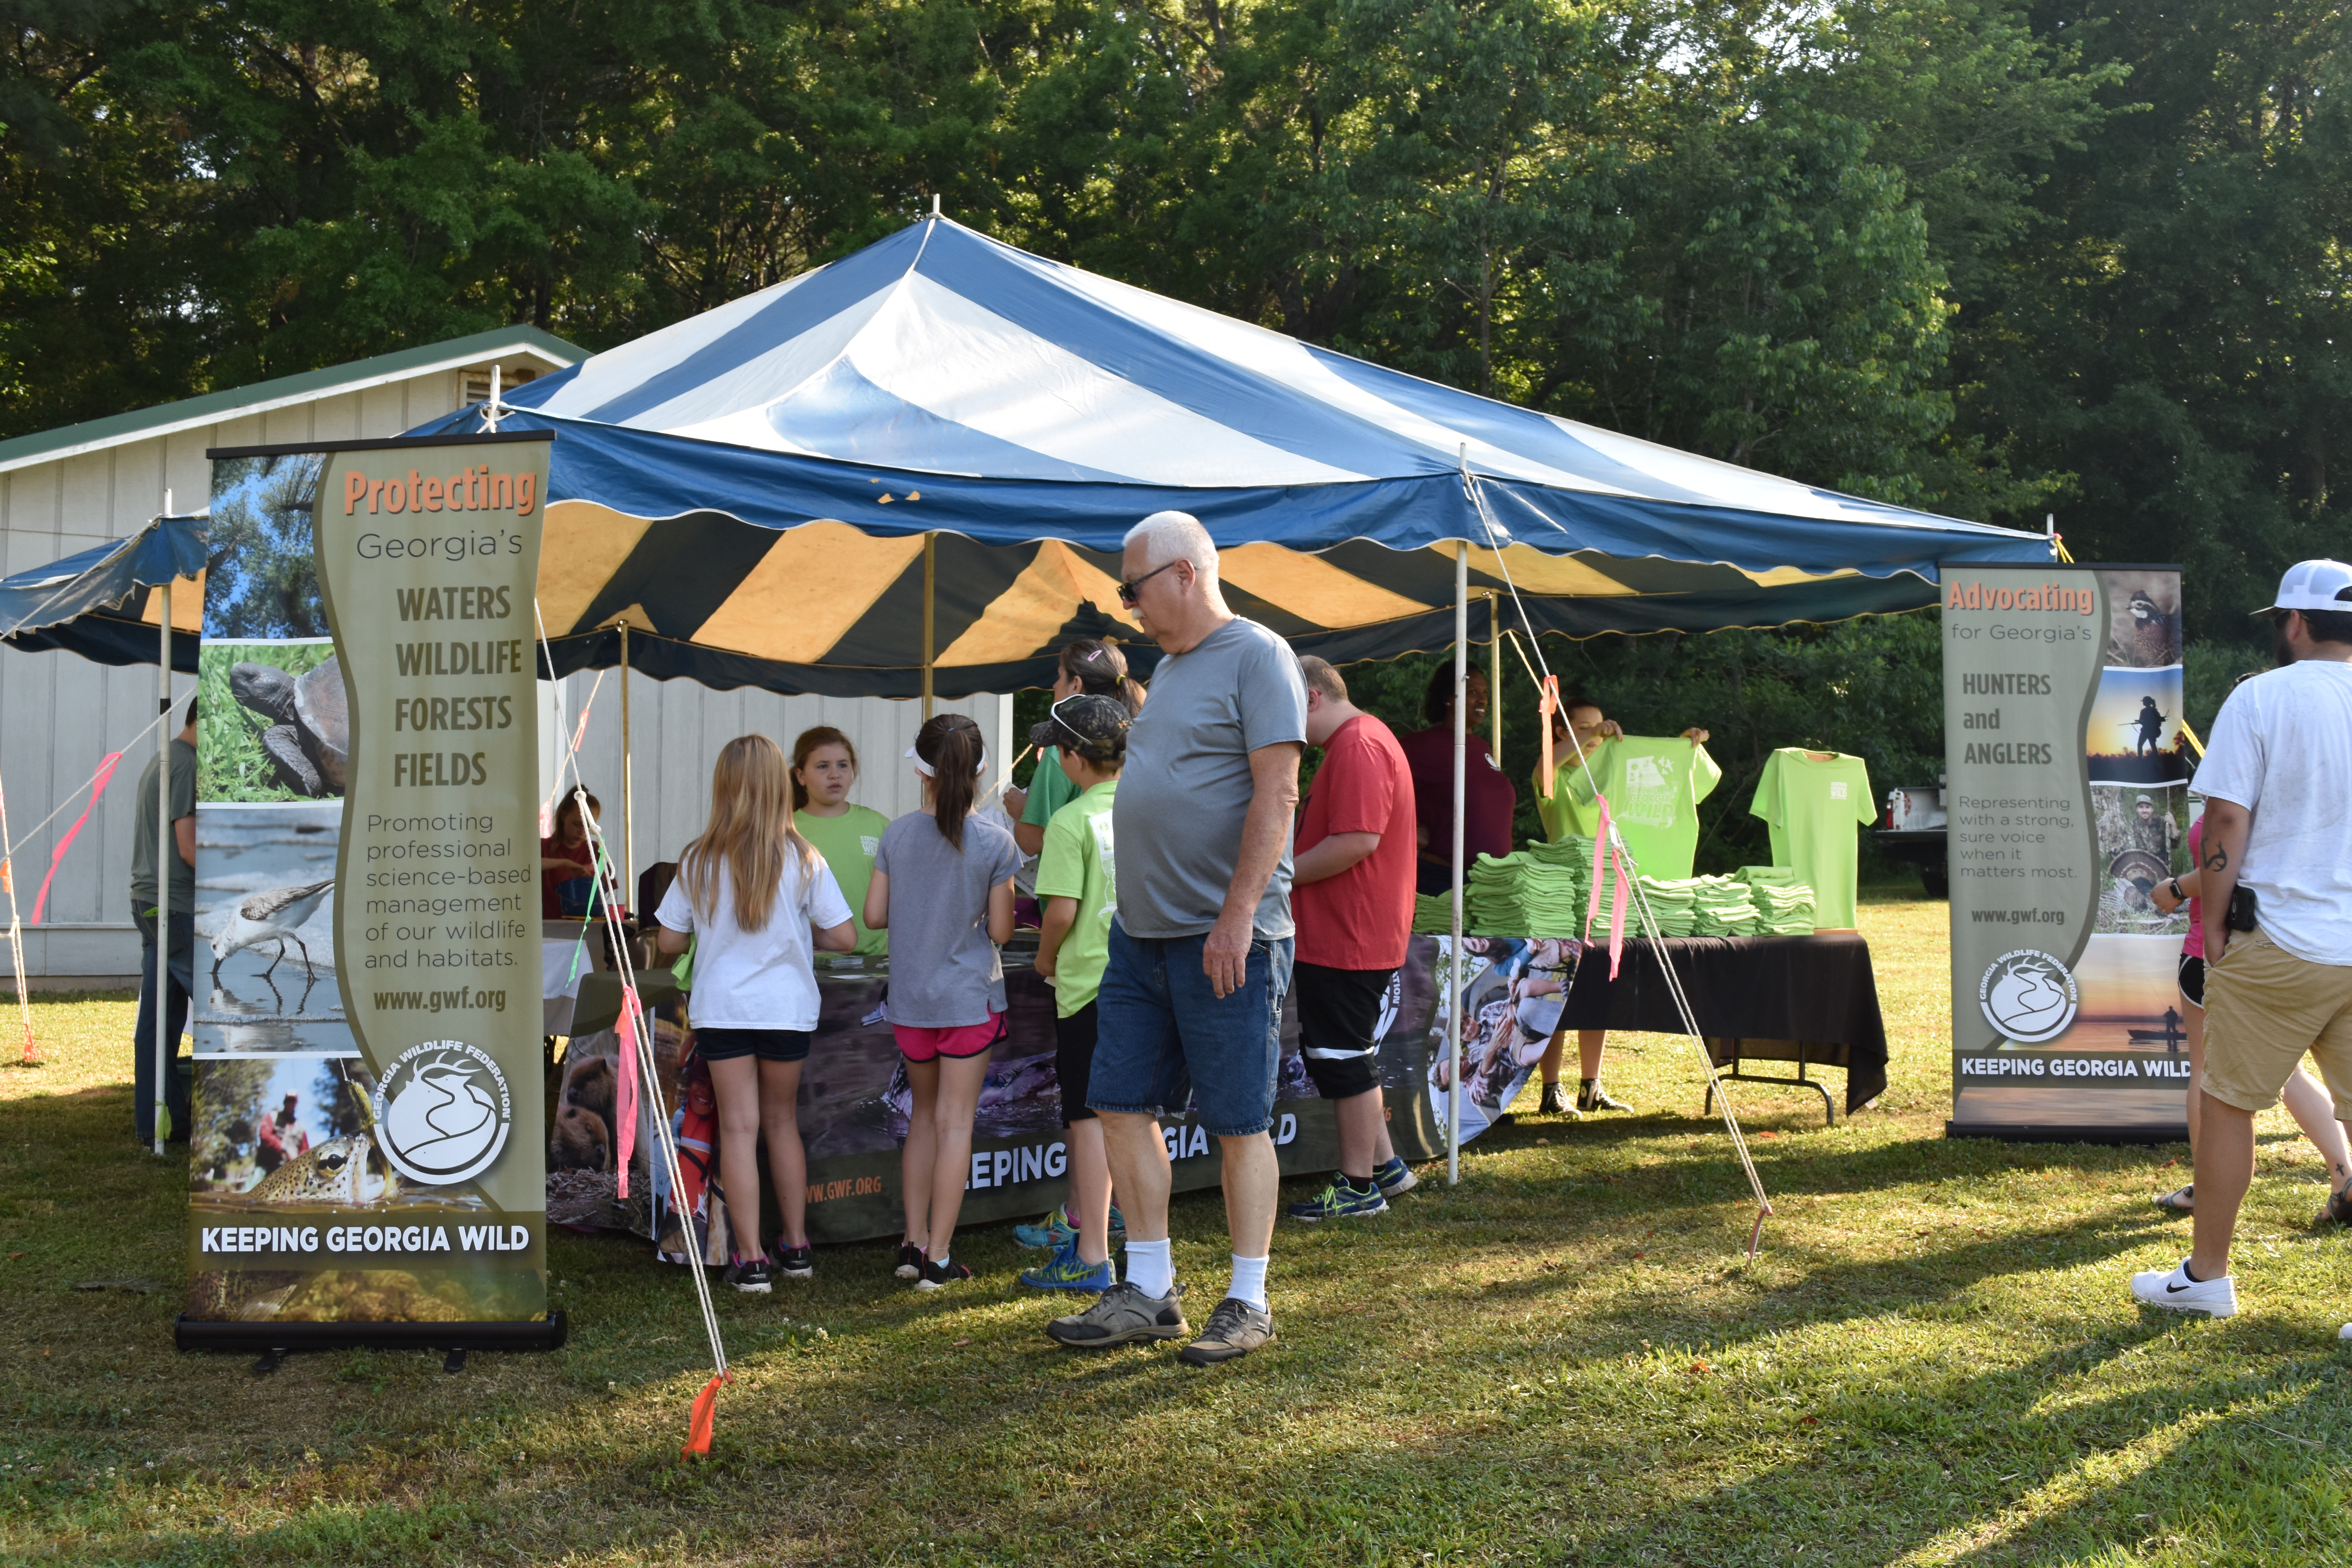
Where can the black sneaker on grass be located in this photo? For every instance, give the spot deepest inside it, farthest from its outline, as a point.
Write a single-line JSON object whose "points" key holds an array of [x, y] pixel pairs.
{"points": [[910, 1261], [1122, 1315], [937, 1274], [797, 1262], [750, 1277], [1234, 1330], [1591, 1097], [1554, 1102]]}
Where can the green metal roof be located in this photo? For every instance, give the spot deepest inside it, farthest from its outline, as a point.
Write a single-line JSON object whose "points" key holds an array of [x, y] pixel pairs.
{"points": [[189, 412]]}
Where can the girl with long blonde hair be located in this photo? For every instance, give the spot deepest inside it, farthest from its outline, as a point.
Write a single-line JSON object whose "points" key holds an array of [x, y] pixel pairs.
{"points": [[760, 902]]}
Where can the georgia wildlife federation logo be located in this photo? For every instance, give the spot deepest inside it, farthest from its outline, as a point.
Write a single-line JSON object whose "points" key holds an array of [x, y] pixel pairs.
{"points": [[442, 1110], [2028, 995]]}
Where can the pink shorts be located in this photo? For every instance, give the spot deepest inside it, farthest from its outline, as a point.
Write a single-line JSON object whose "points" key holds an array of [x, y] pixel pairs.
{"points": [[964, 1040]]}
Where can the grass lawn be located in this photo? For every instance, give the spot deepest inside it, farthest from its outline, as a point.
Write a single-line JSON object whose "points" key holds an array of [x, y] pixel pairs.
{"points": [[1563, 1360]]}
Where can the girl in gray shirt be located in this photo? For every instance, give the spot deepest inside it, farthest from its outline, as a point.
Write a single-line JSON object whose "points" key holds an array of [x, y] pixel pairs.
{"points": [[952, 873]]}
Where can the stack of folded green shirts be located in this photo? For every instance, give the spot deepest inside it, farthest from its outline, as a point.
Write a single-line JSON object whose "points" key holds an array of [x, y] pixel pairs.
{"points": [[1725, 907], [1787, 903], [1432, 914], [1491, 904], [1674, 901]]}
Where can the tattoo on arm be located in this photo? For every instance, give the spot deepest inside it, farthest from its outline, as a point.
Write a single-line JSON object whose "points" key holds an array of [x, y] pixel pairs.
{"points": [[2218, 862]]}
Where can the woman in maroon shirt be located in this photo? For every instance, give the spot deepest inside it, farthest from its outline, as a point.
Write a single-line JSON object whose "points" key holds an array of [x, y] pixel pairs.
{"points": [[566, 854], [1489, 799]]}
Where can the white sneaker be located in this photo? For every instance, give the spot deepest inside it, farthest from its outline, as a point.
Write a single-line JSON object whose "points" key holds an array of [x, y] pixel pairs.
{"points": [[2173, 1291], [2345, 1332]]}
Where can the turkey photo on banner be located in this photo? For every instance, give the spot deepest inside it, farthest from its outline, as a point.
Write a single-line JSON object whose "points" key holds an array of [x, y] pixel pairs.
{"points": [[2068, 791], [367, 1144]]}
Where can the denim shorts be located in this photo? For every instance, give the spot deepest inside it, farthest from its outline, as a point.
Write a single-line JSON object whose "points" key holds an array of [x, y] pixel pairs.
{"points": [[1162, 1032]]}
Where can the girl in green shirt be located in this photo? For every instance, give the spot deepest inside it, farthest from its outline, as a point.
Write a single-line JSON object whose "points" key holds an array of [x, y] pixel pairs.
{"points": [[824, 767]]}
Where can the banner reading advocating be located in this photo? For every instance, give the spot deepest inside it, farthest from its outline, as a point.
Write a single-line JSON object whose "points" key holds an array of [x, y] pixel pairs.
{"points": [[369, 1141], [2066, 791]]}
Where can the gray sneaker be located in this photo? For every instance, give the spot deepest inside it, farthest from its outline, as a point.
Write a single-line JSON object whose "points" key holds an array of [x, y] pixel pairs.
{"points": [[1234, 1330], [1122, 1316]]}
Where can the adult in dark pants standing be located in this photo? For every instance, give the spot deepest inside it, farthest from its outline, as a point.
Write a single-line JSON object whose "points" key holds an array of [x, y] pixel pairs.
{"points": [[1352, 895], [174, 916], [1488, 800]]}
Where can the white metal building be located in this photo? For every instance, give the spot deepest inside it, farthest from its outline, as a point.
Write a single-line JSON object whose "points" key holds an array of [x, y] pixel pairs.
{"points": [[66, 490]]}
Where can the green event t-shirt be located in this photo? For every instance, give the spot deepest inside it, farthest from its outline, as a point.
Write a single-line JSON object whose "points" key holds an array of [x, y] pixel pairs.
{"points": [[143, 834], [847, 843], [1813, 800], [1654, 785], [1050, 789], [1564, 816], [1076, 863]]}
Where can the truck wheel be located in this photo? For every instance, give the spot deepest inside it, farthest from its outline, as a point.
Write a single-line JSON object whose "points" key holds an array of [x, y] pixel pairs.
{"points": [[1937, 879]]}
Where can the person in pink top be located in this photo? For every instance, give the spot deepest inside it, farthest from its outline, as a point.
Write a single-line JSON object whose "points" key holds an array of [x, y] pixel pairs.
{"points": [[2306, 1100]]}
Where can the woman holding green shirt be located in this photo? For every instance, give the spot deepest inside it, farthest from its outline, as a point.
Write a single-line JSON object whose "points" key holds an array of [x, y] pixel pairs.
{"points": [[1097, 669], [824, 767]]}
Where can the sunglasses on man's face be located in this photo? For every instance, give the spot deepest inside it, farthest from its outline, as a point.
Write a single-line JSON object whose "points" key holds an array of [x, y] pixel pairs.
{"points": [[1128, 590]]}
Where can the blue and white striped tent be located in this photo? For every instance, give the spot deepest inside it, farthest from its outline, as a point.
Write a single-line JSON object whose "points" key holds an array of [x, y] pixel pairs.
{"points": [[762, 491]]}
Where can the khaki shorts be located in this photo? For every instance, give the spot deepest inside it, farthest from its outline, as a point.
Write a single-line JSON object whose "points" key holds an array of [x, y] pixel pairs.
{"points": [[2263, 1008]]}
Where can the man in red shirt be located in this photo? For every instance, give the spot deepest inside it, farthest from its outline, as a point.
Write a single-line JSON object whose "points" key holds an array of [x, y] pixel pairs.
{"points": [[1351, 899]]}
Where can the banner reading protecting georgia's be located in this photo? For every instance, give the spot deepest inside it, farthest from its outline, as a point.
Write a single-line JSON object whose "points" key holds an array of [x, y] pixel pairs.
{"points": [[368, 1142], [2068, 802]]}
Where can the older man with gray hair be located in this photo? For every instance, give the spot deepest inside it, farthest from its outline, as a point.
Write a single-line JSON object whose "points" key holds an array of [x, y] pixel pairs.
{"points": [[1190, 1000]]}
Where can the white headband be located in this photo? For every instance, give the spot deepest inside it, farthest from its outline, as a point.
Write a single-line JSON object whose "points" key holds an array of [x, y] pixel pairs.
{"points": [[924, 768]]}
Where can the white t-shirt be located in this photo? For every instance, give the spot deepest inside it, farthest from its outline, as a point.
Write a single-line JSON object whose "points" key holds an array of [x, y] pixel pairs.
{"points": [[762, 979], [2283, 749]]}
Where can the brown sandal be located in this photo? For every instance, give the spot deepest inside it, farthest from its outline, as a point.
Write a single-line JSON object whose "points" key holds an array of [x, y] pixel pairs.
{"points": [[2338, 1208], [2181, 1200]]}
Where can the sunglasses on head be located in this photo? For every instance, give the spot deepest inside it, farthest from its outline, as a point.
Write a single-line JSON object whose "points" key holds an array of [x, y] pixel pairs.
{"points": [[1128, 589]]}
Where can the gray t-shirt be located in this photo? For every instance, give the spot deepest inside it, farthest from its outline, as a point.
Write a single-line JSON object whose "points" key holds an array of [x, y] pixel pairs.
{"points": [[944, 972], [143, 834], [1185, 792]]}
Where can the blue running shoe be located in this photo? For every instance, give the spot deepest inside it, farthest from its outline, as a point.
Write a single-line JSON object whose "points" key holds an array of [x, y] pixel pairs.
{"points": [[1051, 1234], [1395, 1178], [1338, 1200], [1064, 1271]]}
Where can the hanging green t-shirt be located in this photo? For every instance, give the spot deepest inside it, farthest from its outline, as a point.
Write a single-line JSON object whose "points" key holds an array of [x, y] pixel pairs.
{"points": [[847, 843], [1564, 816], [1654, 785], [1076, 863], [1050, 789], [1813, 800]]}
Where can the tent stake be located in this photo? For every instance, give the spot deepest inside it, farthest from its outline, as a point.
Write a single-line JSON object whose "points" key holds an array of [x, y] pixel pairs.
{"points": [[930, 583], [164, 854], [1456, 967]]}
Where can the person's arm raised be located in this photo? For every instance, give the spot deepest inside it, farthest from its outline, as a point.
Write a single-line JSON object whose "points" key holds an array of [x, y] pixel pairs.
{"points": [[1273, 778]]}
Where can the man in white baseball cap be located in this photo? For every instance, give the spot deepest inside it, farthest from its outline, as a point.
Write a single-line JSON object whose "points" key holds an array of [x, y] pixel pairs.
{"points": [[2277, 871]]}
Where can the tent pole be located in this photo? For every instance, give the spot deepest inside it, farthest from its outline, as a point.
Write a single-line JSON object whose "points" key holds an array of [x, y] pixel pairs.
{"points": [[1457, 967], [1494, 673], [628, 784], [165, 853], [15, 929], [930, 564]]}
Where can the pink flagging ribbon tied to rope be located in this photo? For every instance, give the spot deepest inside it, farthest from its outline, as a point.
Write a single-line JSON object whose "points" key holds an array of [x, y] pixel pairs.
{"points": [[96, 787], [625, 1109], [1604, 859]]}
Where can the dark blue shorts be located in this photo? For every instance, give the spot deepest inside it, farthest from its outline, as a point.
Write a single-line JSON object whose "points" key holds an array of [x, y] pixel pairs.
{"points": [[1160, 1033]]}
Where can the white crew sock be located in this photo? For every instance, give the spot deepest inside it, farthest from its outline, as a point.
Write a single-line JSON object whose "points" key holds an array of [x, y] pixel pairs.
{"points": [[1150, 1266], [1249, 1280]]}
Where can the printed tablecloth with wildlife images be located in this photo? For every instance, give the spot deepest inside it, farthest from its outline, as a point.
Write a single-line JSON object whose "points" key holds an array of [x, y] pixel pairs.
{"points": [[366, 1142]]}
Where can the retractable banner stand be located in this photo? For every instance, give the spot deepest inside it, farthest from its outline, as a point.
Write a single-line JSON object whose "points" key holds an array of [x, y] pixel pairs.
{"points": [[368, 1160], [2068, 797]]}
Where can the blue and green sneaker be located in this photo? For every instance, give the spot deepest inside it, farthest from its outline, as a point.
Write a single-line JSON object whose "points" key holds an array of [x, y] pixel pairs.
{"points": [[1052, 1234], [1394, 1178], [1064, 1271], [1338, 1200]]}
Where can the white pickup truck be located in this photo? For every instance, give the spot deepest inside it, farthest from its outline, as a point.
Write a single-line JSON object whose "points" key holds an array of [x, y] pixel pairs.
{"points": [[1914, 830]]}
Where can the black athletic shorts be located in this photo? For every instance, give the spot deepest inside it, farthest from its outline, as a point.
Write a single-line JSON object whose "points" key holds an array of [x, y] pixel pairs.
{"points": [[2192, 979], [1074, 1063], [768, 1045], [1339, 1026]]}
